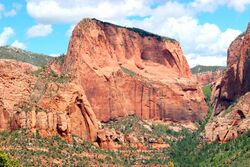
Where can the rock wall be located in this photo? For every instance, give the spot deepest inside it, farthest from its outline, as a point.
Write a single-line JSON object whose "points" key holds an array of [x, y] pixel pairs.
{"points": [[39, 104], [16, 84], [129, 71], [209, 77], [236, 81], [230, 95], [231, 123]]}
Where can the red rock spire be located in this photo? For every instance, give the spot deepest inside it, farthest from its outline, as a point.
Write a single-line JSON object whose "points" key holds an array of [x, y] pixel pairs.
{"points": [[248, 29]]}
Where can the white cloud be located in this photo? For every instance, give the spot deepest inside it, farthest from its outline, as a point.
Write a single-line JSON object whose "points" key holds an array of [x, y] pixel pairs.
{"points": [[61, 11], [212, 5], [200, 40], [194, 60], [39, 30], [7, 33], [239, 5], [69, 31], [170, 18], [18, 44], [55, 55], [1, 7], [10, 13]]}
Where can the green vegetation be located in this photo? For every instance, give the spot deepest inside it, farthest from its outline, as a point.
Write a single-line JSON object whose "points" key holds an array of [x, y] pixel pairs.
{"points": [[161, 130], [144, 33], [50, 75], [8, 52], [141, 32], [38, 71], [60, 59], [200, 69], [36, 151], [207, 92], [193, 152], [229, 109], [128, 124], [128, 71], [241, 35], [6, 161], [26, 108]]}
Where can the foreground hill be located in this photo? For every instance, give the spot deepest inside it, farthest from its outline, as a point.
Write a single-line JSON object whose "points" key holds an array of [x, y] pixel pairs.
{"points": [[9, 52]]}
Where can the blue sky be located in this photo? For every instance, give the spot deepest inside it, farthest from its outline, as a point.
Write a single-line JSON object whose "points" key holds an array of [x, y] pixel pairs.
{"points": [[205, 28]]}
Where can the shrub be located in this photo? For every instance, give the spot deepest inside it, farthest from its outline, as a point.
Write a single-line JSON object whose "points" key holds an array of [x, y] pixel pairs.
{"points": [[128, 71], [4, 135], [207, 92], [6, 161], [160, 130]]}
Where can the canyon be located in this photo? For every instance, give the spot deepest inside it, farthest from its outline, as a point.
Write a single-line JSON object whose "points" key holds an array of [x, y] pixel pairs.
{"points": [[121, 92]]}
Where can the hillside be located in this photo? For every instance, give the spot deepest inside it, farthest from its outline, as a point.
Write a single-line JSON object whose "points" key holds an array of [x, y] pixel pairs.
{"points": [[201, 69], [9, 52]]}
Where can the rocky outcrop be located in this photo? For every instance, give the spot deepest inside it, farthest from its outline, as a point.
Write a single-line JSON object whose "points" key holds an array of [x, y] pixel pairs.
{"points": [[64, 110], [236, 81], [16, 84], [230, 95], [208, 77], [129, 71], [231, 123], [43, 105], [110, 139]]}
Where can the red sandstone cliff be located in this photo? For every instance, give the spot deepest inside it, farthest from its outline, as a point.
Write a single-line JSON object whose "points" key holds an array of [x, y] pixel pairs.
{"points": [[109, 72], [128, 71], [236, 81], [209, 77], [232, 90], [43, 105]]}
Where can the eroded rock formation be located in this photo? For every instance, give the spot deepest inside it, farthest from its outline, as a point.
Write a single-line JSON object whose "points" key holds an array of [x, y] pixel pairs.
{"points": [[129, 71], [109, 72], [42, 105], [230, 95], [231, 122], [236, 81], [209, 77], [64, 110], [16, 84]]}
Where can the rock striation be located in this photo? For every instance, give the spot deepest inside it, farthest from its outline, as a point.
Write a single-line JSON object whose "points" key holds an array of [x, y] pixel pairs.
{"points": [[209, 77], [128, 71]]}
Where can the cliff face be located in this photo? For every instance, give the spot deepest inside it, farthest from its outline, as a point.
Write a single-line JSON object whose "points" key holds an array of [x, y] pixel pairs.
{"points": [[232, 90], [16, 84], [129, 71], [109, 72], [43, 105], [208, 77], [236, 81]]}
